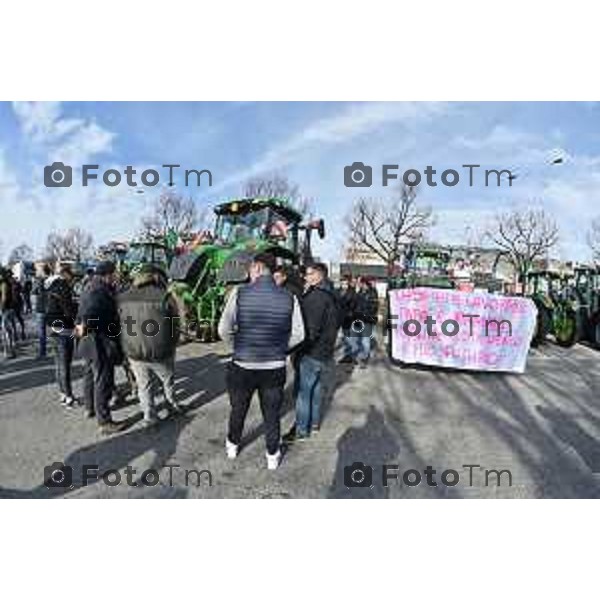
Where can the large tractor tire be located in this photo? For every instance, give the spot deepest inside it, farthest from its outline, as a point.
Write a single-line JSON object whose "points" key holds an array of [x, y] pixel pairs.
{"points": [[595, 326], [543, 325], [207, 333], [566, 328]]}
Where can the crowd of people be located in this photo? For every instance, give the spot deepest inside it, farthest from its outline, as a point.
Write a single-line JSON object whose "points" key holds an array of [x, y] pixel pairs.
{"points": [[14, 300], [137, 326]]}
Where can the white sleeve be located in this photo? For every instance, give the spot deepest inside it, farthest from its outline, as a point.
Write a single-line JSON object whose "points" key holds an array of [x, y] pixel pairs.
{"points": [[298, 333], [227, 322]]}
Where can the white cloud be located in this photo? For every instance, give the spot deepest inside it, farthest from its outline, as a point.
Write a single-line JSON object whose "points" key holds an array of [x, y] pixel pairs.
{"points": [[9, 188], [35, 210], [500, 136], [352, 122], [506, 147], [72, 141]]}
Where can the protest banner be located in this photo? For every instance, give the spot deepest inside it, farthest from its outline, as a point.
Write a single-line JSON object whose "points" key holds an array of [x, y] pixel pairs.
{"points": [[461, 330]]}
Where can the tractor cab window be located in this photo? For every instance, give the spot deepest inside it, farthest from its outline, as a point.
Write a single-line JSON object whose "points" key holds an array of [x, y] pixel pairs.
{"points": [[282, 231], [233, 228], [146, 253], [428, 264]]}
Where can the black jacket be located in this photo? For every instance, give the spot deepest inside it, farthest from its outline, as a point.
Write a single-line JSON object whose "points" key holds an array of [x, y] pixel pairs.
{"points": [[348, 304], [6, 293], [321, 320], [141, 307], [60, 307], [98, 312], [367, 304], [98, 309]]}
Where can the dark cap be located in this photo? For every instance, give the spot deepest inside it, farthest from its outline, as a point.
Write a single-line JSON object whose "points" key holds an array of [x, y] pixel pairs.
{"points": [[106, 267], [266, 259]]}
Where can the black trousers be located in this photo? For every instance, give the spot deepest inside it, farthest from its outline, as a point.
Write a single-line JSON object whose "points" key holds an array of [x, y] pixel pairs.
{"points": [[19, 317], [65, 346], [242, 383], [98, 383]]}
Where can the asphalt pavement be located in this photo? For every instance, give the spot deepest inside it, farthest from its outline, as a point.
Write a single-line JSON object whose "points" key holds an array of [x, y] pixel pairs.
{"points": [[388, 432]]}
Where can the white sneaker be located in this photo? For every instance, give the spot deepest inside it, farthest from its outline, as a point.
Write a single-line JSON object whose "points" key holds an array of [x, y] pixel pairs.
{"points": [[71, 402], [231, 449], [273, 460]]}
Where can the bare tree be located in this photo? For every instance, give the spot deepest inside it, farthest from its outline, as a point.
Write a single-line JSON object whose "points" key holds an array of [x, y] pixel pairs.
{"points": [[54, 246], [524, 236], [278, 186], [78, 244], [21, 252], [172, 213], [593, 239], [74, 244], [386, 227]]}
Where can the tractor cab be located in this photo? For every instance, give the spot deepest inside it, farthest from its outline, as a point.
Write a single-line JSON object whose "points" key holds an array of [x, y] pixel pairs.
{"points": [[114, 252], [146, 252], [557, 305], [202, 274], [587, 290], [425, 267], [251, 220], [546, 285]]}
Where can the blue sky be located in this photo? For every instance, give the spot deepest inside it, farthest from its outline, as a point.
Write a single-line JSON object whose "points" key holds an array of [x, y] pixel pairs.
{"points": [[309, 142]]}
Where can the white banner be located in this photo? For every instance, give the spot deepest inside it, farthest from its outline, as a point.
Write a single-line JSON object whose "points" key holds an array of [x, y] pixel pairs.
{"points": [[462, 330]]}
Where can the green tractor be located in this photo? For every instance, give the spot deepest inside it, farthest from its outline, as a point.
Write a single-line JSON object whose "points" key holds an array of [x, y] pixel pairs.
{"points": [[557, 305], [587, 291], [151, 251], [201, 276], [114, 252], [425, 267]]}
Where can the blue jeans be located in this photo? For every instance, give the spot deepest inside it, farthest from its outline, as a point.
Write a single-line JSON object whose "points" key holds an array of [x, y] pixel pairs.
{"points": [[347, 343], [8, 329], [40, 325], [65, 348], [308, 400], [361, 347]]}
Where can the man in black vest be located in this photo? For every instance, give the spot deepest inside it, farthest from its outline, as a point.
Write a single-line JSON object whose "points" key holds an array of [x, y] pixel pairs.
{"points": [[264, 322]]}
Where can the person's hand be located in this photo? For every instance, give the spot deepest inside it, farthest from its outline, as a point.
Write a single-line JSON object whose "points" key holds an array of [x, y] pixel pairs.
{"points": [[79, 330]]}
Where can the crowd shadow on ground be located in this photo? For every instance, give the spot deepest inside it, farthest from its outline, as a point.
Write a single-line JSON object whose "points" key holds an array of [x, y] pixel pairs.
{"points": [[573, 435], [526, 414], [361, 453], [547, 420], [334, 378], [35, 379], [120, 450]]}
